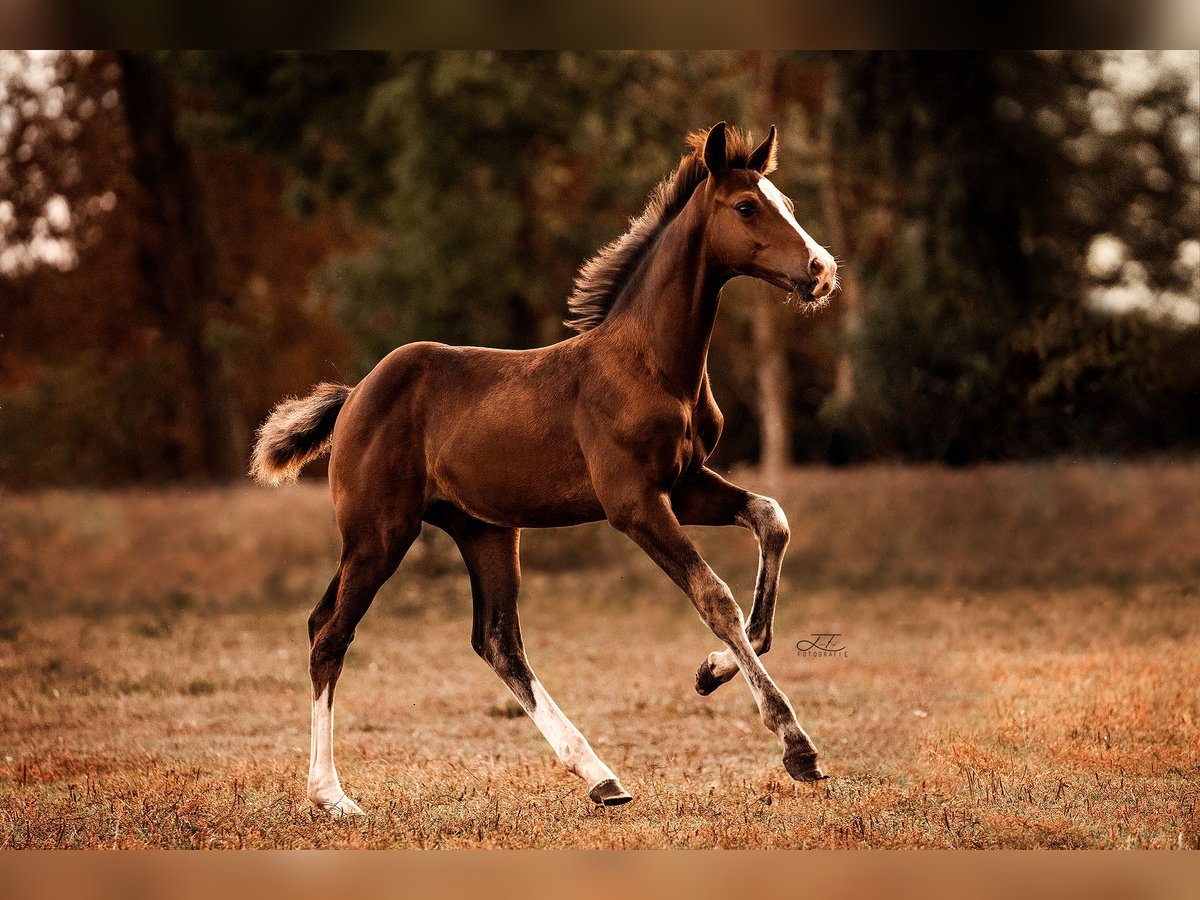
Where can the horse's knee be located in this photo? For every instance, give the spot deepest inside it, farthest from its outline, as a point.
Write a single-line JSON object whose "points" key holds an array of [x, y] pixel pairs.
{"points": [[502, 655], [324, 609], [328, 652], [332, 622], [766, 517], [507, 659], [491, 647], [317, 620], [479, 645]]}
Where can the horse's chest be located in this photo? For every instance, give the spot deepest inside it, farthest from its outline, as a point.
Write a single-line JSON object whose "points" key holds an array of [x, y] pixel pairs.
{"points": [[667, 437]]}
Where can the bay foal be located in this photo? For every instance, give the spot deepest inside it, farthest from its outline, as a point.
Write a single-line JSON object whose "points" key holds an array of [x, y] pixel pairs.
{"points": [[615, 423]]}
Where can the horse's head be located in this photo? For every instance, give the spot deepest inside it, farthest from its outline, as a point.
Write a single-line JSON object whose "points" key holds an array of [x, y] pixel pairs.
{"points": [[751, 227]]}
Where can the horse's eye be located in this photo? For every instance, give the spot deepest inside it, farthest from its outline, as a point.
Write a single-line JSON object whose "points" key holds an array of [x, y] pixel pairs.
{"points": [[745, 209]]}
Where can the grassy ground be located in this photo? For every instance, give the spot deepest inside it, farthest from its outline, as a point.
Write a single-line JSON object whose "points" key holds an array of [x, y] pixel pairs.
{"points": [[1021, 671]]}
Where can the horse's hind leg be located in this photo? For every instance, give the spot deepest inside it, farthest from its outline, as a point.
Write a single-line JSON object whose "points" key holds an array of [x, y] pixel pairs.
{"points": [[492, 557], [365, 565], [708, 499]]}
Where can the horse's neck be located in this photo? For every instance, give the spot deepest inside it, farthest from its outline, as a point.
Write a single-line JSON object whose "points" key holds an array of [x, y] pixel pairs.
{"points": [[672, 308]]}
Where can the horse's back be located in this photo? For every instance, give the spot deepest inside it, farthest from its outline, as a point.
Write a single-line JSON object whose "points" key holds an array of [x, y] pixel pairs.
{"points": [[491, 431]]}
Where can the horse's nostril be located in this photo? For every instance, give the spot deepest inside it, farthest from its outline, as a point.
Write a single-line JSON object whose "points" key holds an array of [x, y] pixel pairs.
{"points": [[816, 267]]}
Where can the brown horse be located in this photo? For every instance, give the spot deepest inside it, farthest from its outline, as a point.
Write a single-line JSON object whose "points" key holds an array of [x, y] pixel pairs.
{"points": [[615, 423]]}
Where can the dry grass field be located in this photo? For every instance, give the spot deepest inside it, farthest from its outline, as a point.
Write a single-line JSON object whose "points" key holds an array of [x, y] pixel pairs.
{"points": [[1023, 655]]}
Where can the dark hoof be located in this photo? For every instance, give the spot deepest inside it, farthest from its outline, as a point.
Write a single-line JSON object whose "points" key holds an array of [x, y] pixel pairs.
{"points": [[609, 793], [802, 766], [706, 681]]}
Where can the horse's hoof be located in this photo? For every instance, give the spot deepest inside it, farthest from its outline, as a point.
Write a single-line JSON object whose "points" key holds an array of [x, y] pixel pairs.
{"points": [[802, 766], [609, 793], [706, 681], [343, 808]]}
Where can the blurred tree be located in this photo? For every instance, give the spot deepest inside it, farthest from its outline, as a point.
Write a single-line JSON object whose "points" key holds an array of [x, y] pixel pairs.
{"points": [[100, 378], [771, 362], [985, 178], [76, 371], [1104, 355], [179, 261], [935, 330]]}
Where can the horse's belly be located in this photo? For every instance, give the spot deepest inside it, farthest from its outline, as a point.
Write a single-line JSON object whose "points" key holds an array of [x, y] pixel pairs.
{"points": [[507, 480], [530, 503], [520, 501]]}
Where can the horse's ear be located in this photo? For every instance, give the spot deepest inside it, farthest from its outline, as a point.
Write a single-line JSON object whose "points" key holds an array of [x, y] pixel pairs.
{"points": [[714, 150], [763, 159]]}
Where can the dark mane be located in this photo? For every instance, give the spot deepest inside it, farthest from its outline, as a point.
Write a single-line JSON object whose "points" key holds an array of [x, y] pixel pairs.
{"points": [[601, 278]]}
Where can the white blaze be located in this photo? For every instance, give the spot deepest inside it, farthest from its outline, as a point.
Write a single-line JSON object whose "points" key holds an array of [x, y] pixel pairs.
{"points": [[775, 198]]}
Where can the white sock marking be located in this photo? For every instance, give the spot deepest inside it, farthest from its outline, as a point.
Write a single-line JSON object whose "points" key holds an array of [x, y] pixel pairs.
{"points": [[568, 743], [324, 789]]}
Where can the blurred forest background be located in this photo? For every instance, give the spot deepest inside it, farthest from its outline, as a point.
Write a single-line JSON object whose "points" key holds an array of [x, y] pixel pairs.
{"points": [[187, 237]]}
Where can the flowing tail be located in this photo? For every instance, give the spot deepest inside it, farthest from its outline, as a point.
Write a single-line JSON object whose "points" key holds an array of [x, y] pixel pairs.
{"points": [[298, 431]]}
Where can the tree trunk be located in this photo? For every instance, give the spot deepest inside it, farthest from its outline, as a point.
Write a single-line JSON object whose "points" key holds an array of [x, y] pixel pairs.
{"points": [[774, 386], [850, 296], [772, 376], [179, 261]]}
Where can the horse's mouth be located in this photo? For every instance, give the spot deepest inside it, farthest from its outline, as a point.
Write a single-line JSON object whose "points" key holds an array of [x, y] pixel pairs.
{"points": [[803, 294]]}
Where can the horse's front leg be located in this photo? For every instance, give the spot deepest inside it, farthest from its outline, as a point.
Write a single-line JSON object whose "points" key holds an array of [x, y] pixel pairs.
{"points": [[646, 517], [708, 499]]}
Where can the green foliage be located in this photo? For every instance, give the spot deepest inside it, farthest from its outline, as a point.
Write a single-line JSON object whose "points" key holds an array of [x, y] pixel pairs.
{"points": [[993, 173], [95, 420], [486, 176], [452, 196]]}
